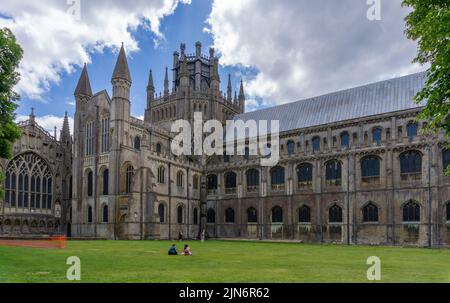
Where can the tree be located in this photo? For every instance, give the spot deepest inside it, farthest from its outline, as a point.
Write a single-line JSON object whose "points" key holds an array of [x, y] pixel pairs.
{"points": [[429, 25], [10, 55]]}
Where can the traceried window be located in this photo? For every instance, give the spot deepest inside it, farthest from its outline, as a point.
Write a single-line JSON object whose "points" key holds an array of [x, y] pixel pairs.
{"points": [[370, 213], [333, 172], [410, 166], [252, 180], [89, 139], [277, 215], [335, 214], [277, 178], [252, 215], [28, 183], [411, 211], [304, 175], [304, 214], [105, 135], [370, 170], [230, 183]]}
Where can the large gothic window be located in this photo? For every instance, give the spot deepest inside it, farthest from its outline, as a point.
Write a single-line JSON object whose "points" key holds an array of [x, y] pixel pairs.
{"points": [[161, 212], [89, 139], [180, 179], [28, 183], [333, 172], [252, 180], [105, 135], [252, 215], [229, 215], [277, 215], [304, 214], [277, 178], [445, 158], [180, 214], [90, 184], [335, 214], [304, 175], [370, 213], [230, 183], [411, 166], [370, 170], [411, 211]]}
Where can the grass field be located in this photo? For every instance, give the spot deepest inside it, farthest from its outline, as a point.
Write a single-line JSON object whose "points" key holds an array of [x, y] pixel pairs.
{"points": [[222, 261]]}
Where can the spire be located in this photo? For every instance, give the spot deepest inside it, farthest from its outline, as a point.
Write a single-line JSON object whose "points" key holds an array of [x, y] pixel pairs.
{"points": [[32, 116], [166, 83], [235, 98], [84, 85], [65, 131], [121, 70], [230, 90], [241, 92], [150, 86]]}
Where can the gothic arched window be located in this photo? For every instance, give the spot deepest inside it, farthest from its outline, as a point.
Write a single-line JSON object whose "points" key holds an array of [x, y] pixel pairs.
{"points": [[211, 184], [90, 184], [105, 214], [158, 149], [161, 175], [161, 212], [411, 130], [230, 183], [105, 191], [376, 135], [304, 175], [335, 214], [333, 172], [316, 144], [180, 214], [370, 213], [137, 143], [277, 215], [252, 180], [411, 165], [304, 214], [290, 147], [28, 183], [252, 215], [229, 215], [180, 177], [129, 179], [211, 216], [370, 169], [448, 211], [445, 158], [195, 182], [411, 211], [277, 178], [345, 139]]}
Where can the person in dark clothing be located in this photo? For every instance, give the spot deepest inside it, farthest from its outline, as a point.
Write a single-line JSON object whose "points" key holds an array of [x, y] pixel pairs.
{"points": [[173, 250]]}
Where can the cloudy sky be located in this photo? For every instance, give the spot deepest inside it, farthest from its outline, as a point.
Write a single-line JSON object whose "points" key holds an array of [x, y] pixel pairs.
{"points": [[284, 50]]}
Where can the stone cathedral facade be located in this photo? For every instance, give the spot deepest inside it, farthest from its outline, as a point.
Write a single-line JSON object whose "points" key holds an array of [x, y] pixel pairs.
{"points": [[355, 167]]}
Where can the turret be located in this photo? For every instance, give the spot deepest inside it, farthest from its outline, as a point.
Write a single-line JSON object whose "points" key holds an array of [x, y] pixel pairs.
{"points": [[198, 65], [83, 91], [121, 82], [150, 90], [64, 137]]}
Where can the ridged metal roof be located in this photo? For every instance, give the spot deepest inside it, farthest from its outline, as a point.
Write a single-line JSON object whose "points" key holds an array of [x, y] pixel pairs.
{"points": [[373, 99]]}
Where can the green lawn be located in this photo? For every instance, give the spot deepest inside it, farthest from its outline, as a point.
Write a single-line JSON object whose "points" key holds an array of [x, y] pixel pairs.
{"points": [[222, 261]]}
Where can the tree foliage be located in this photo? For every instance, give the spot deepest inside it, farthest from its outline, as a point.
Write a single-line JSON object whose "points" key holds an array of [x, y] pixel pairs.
{"points": [[10, 55], [429, 25]]}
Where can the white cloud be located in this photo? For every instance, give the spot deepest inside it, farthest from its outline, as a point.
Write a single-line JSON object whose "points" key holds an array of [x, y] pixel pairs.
{"points": [[48, 122], [305, 48], [55, 42]]}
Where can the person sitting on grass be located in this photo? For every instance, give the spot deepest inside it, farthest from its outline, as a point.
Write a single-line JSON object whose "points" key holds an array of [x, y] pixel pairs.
{"points": [[187, 251], [173, 250]]}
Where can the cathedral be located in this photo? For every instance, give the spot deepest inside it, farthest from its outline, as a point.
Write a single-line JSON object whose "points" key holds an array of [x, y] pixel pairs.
{"points": [[355, 167]]}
